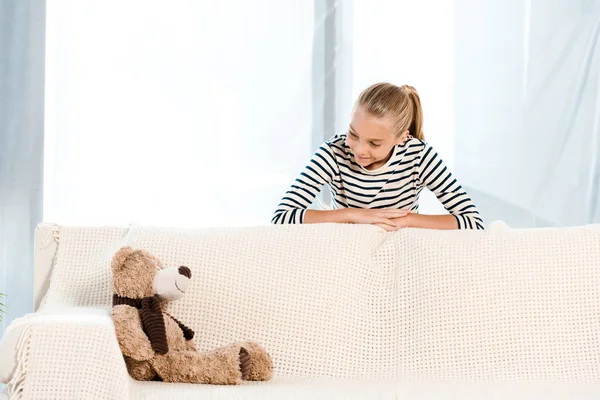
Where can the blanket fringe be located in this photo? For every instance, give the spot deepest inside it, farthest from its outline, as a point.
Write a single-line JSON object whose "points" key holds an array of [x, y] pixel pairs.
{"points": [[16, 385]]}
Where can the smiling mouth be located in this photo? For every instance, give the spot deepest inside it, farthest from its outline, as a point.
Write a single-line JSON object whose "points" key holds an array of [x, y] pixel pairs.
{"points": [[178, 288]]}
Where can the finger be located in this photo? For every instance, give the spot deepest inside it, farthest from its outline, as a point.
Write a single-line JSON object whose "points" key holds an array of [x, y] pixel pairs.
{"points": [[385, 221], [384, 227], [390, 228]]}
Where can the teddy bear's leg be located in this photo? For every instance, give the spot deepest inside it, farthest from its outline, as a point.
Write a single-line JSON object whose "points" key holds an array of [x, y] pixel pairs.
{"points": [[140, 370], [222, 366], [261, 365]]}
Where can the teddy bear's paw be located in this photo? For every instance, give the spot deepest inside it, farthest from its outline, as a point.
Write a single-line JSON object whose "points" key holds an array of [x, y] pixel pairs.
{"points": [[260, 364], [140, 370], [245, 363]]}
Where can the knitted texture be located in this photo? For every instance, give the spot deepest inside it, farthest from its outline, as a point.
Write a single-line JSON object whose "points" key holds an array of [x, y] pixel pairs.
{"points": [[354, 301]]}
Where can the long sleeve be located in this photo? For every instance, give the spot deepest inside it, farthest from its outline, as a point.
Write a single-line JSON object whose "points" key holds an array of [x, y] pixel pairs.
{"points": [[321, 170], [434, 175]]}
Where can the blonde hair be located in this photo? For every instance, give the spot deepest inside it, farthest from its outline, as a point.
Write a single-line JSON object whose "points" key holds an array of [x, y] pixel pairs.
{"points": [[400, 103]]}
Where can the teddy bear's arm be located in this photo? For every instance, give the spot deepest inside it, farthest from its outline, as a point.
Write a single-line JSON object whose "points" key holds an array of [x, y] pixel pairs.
{"points": [[131, 337], [188, 334]]}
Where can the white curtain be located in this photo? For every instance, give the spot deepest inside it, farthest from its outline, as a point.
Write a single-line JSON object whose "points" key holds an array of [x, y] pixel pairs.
{"points": [[180, 113], [528, 109], [21, 149]]}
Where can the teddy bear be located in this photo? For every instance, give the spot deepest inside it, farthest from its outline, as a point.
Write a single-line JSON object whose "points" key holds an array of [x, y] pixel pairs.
{"points": [[155, 345]]}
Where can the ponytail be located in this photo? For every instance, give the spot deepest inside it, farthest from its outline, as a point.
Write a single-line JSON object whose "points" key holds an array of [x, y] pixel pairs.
{"points": [[416, 125]]}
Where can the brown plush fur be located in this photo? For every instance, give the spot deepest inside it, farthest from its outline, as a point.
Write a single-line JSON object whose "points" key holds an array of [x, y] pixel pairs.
{"points": [[133, 273], [261, 366], [133, 341], [133, 277]]}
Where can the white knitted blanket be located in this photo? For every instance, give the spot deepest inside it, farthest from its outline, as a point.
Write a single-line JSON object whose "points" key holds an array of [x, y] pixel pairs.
{"points": [[344, 301]]}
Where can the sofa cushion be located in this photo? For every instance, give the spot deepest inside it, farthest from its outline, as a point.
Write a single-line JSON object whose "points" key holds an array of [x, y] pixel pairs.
{"points": [[365, 389]]}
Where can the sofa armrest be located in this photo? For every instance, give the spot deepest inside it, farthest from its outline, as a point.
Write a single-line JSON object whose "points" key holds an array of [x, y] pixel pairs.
{"points": [[66, 353]]}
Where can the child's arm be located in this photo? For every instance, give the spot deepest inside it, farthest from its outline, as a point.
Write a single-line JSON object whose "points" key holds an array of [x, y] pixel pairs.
{"points": [[384, 218], [434, 175], [323, 169], [427, 221]]}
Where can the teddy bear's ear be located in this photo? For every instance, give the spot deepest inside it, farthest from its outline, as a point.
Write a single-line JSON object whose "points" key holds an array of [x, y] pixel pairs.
{"points": [[133, 272], [118, 260]]}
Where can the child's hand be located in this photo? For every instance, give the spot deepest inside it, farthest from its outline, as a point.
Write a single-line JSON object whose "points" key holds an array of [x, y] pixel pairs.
{"points": [[399, 223], [383, 218]]}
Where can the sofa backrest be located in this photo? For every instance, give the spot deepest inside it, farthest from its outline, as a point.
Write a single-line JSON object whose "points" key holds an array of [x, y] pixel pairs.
{"points": [[350, 300]]}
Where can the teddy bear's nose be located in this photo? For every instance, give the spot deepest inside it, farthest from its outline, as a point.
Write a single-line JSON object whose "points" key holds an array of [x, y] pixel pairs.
{"points": [[185, 271]]}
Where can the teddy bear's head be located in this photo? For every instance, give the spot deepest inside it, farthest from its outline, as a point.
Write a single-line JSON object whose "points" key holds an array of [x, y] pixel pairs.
{"points": [[140, 281], [137, 274]]}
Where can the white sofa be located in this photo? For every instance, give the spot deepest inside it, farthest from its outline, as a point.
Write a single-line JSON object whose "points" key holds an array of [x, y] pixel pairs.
{"points": [[346, 312]]}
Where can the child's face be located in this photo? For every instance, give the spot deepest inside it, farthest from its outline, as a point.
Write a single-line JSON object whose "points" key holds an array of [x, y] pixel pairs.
{"points": [[371, 139]]}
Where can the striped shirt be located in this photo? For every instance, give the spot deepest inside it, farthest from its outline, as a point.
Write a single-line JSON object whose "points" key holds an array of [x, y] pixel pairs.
{"points": [[414, 165]]}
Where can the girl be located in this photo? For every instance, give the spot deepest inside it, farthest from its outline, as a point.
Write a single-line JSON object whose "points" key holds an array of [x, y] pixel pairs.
{"points": [[377, 170]]}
